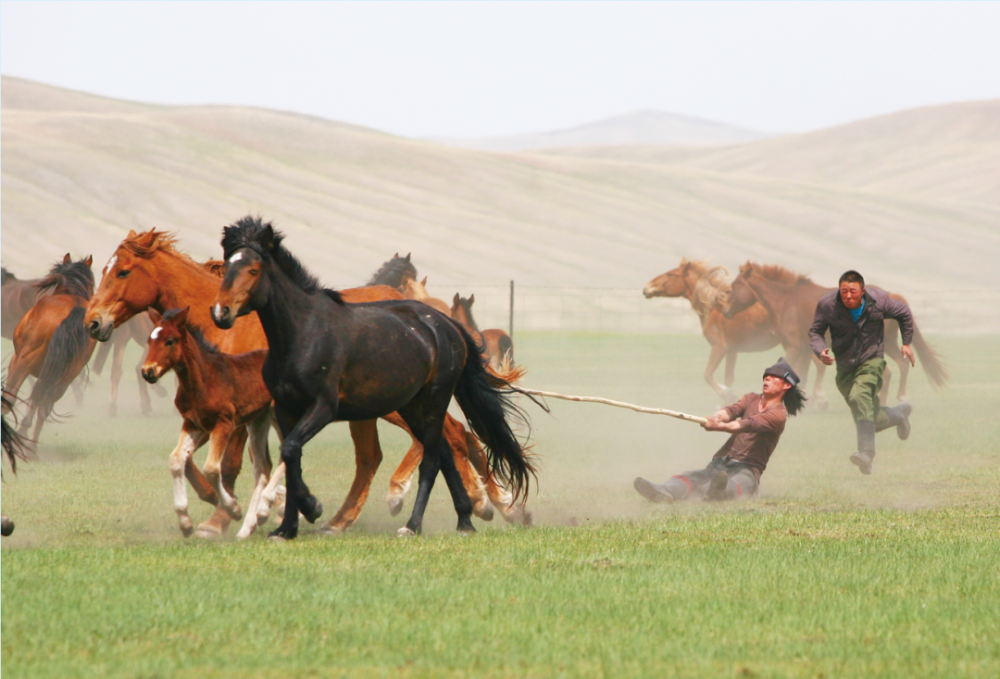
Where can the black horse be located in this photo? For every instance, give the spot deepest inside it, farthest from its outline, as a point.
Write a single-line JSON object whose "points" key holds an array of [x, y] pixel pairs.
{"points": [[328, 361]]}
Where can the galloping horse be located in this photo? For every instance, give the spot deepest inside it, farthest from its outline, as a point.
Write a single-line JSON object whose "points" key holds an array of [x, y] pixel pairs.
{"points": [[705, 287], [147, 271], [791, 299], [333, 361], [216, 394], [497, 344], [50, 342], [21, 295]]}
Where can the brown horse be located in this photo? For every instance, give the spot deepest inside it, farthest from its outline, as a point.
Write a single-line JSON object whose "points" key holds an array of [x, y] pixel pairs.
{"points": [[145, 272], [217, 393], [791, 300], [497, 344], [705, 287], [416, 290], [50, 342], [16, 296]]}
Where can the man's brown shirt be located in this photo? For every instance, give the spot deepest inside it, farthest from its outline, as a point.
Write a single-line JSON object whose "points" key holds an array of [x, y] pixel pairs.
{"points": [[760, 431]]}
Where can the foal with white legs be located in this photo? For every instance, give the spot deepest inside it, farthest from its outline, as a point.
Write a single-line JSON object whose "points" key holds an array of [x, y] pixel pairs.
{"points": [[217, 394]]}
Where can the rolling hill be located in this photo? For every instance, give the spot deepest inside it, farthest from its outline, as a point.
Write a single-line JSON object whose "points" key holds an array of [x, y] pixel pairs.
{"points": [[79, 171]]}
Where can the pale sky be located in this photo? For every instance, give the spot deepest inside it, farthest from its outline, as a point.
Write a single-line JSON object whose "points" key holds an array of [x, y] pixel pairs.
{"points": [[483, 68]]}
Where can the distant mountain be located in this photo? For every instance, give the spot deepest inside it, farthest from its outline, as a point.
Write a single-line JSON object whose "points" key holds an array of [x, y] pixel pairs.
{"points": [[642, 127]]}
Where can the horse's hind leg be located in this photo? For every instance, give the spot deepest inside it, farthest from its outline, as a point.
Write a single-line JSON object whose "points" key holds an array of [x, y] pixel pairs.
{"points": [[258, 430], [399, 484], [367, 458], [455, 435], [499, 497], [218, 444], [232, 462], [298, 497], [117, 358]]}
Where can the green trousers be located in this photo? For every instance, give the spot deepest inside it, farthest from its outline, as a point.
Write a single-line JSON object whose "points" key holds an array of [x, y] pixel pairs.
{"points": [[860, 388]]}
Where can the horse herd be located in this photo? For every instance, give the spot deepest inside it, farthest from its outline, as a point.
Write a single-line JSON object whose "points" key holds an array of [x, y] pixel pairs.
{"points": [[255, 342]]}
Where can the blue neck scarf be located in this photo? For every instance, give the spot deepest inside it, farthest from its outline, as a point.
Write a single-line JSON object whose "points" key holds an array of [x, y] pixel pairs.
{"points": [[856, 313]]}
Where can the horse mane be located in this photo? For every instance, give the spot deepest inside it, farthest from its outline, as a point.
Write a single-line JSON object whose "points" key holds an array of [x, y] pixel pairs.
{"points": [[262, 237], [148, 243], [779, 274], [216, 267], [192, 330], [393, 272], [713, 284], [74, 278]]}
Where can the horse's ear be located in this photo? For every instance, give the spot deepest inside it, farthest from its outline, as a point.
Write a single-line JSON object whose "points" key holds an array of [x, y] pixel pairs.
{"points": [[472, 299], [67, 259], [89, 261], [267, 240], [180, 320], [456, 300], [131, 234], [396, 256], [424, 282], [154, 315], [687, 265], [408, 256]]}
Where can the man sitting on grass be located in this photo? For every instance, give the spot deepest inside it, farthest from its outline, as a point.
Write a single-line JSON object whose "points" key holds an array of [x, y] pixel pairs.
{"points": [[755, 423]]}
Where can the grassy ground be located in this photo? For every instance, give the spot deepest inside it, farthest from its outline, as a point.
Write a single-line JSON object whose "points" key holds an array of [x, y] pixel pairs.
{"points": [[827, 573]]}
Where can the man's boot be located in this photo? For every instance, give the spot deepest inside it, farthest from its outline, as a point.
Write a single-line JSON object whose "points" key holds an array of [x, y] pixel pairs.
{"points": [[674, 489], [898, 417], [866, 446]]}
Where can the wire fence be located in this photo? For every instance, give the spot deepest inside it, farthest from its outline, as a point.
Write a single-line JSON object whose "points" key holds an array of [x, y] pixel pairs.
{"points": [[625, 310]]}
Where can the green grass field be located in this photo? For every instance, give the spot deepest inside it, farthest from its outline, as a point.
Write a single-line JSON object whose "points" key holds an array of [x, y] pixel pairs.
{"points": [[827, 573]]}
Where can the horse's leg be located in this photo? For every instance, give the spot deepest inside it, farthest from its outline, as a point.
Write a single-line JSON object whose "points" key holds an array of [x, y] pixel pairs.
{"points": [[232, 462], [499, 497], [454, 433], [399, 484], [117, 359], [426, 420], [145, 404], [730, 395], [819, 396], [17, 372], [367, 458], [298, 497], [217, 445], [714, 359], [893, 351], [190, 440], [258, 430]]}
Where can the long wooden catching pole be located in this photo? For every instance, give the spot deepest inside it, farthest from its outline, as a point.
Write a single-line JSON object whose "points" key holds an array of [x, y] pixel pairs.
{"points": [[617, 404]]}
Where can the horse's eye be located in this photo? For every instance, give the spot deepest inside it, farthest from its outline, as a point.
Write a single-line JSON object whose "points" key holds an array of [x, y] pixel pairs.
{"points": [[254, 272], [171, 342], [124, 273]]}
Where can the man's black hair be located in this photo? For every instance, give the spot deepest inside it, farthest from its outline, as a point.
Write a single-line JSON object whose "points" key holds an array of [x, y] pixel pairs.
{"points": [[794, 400], [851, 276]]}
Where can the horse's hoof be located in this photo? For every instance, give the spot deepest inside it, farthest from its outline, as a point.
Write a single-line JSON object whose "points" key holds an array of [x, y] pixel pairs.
{"points": [[235, 512], [187, 528], [312, 509], [244, 533], [209, 530], [406, 532], [6, 527], [395, 505], [467, 529], [263, 518], [332, 531], [485, 512], [280, 534]]}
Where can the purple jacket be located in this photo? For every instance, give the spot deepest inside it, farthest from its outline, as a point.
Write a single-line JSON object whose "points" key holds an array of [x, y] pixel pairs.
{"points": [[854, 343]]}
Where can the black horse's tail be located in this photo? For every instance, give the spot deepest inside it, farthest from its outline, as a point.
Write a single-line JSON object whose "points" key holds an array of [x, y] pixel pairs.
{"points": [[485, 400], [13, 443], [68, 343]]}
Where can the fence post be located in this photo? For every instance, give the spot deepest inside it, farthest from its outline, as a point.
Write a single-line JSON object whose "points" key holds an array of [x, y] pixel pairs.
{"points": [[510, 324]]}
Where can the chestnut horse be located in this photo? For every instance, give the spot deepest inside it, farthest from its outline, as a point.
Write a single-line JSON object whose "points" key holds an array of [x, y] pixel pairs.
{"points": [[216, 394], [146, 271], [791, 300], [50, 342], [705, 287], [330, 361], [20, 295], [497, 344]]}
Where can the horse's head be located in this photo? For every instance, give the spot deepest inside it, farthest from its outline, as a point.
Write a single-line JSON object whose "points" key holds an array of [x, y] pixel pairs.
{"points": [[742, 296], [166, 343], [669, 284], [129, 286], [461, 311], [248, 246]]}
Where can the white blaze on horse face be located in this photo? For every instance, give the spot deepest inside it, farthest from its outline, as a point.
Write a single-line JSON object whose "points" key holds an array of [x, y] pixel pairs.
{"points": [[110, 266], [235, 258], [218, 310], [156, 333]]}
